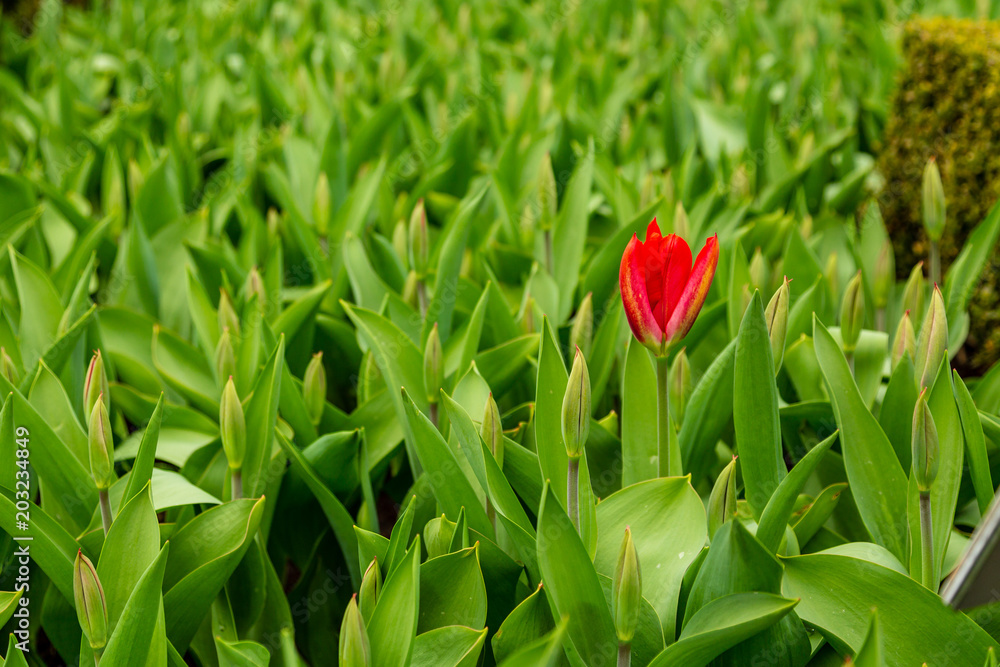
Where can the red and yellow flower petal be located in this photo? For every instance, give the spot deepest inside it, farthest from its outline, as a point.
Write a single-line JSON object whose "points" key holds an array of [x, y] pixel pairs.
{"points": [[691, 300], [632, 279]]}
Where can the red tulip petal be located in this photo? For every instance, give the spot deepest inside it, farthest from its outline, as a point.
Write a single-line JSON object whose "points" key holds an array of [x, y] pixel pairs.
{"points": [[631, 278], [691, 300], [667, 269]]}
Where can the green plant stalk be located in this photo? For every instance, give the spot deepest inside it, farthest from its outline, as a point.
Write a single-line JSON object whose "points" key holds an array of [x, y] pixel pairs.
{"points": [[105, 503], [850, 360], [237, 483], [572, 491], [97, 657], [624, 655], [667, 466], [926, 542], [432, 413], [880, 324], [935, 254]]}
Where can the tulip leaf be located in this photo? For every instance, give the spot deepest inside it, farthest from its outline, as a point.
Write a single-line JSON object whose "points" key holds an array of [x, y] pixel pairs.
{"points": [[967, 269], [393, 624], [550, 388], [896, 414], [135, 634], [814, 515], [131, 545], [15, 657], [41, 310], [261, 417], [755, 409], [708, 413], [639, 415], [142, 467], [52, 548], [838, 593], [544, 652], [184, 369], [975, 444], [527, 623], [872, 653], [241, 654], [452, 592], [449, 646], [569, 233], [8, 604], [877, 481], [722, 624]]}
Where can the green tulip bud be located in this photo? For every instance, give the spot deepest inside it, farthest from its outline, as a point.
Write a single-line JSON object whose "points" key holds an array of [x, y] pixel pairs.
{"points": [[626, 591], [255, 287], [576, 407], [925, 444], [913, 293], [759, 274], [905, 341], [321, 204], [682, 226], [885, 275], [548, 195], [232, 426], [400, 241], [722, 501], [371, 586], [932, 345], [419, 242], [314, 388], [492, 430], [582, 334], [438, 534], [94, 385], [9, 369], [353, 649], [225, 357], [228, 319], [101, 445], [932, 195], [679, 386], [830, 273], [776, 315], [433, 366], [88, 597], [852, 313]]}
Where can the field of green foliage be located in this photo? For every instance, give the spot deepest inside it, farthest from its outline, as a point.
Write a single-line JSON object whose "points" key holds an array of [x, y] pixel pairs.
{"points": [[459, 334]]}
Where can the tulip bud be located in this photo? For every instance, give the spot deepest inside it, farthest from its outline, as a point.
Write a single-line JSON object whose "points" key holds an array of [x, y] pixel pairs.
{"points": [[400, 241], [353, 650], [9, 368], [438, 534], [682, 226], [88, 597], [830, 273], [433, 366], [371, 586], [626, 591], [314, 388], [419, 242], [94, 385], [905, 341], [852, 313], [576, 407], [932, 194], [255, 287], [679, 386], [225, 357], [758, 270], [232, 426], [885, 275], [933, 341], [913, 293], [548, 196], [722, 501], [228, 319], [528, 315], [492, 430], [582, 333], [776, 315], [925, 444], [101, 445], [321, 204]]}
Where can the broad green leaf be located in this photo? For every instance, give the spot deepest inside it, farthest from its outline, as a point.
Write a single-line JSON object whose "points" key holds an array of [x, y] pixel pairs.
{"points": [[708, 413], [132, 638], [812, 517], [967, 269], [871, 653], [527, 623], [569, 232], [544, 652], [549, 391], [142, 468], [261, 417], [896, 414], [51, 547], [393, 625], [183, 368], [449, 646], [41, 308], [452, 592], [639, 415], [8, 604], [14, 657], [241, 654], [131, 545], [975, 444]]}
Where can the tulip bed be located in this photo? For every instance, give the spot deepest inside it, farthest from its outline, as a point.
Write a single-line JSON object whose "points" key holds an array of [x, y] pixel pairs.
{"points": [[456, 334]]}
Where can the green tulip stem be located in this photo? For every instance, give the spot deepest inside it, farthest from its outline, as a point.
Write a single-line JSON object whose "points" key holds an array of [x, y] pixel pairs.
{"points": [[97, 657], [237, 483], [935, 263], [624, 655], [667, 466], [572, 491], [432, 413], [926, 542], [880, 324], [850, 360], [105, 502]]}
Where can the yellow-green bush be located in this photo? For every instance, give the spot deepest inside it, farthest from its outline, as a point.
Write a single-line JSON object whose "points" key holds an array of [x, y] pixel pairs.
{"points": [[947, 105]]}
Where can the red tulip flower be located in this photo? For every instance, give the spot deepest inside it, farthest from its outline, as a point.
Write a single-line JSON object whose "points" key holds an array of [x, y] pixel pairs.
{"points": [[662, 292]]}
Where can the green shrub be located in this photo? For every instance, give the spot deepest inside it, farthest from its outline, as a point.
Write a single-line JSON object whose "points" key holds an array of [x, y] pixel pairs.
{"points": [[947, 105]]}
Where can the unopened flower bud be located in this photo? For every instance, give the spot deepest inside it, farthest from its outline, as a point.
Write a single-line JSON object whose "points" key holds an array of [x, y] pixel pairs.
{"points": [[830, 273], [852, 313], [884, 275], [492, 430], [722, 501], [433, 366], [776, 315], [679, 386], [548, 197], [228, 319], [905, 341], [371, 586], [438, 535], [925, 444], [913, 293], [576, 408], [225, 357], [88, 597], [582, 333], [759, 274], [400, 241], [321, 204], [9, 368], [232, 426], [255, 287], [419, 242], [932, 195], [353, 649], [101, 445], [314, 388], [94, 385], [626, 591], [932, 344]]}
